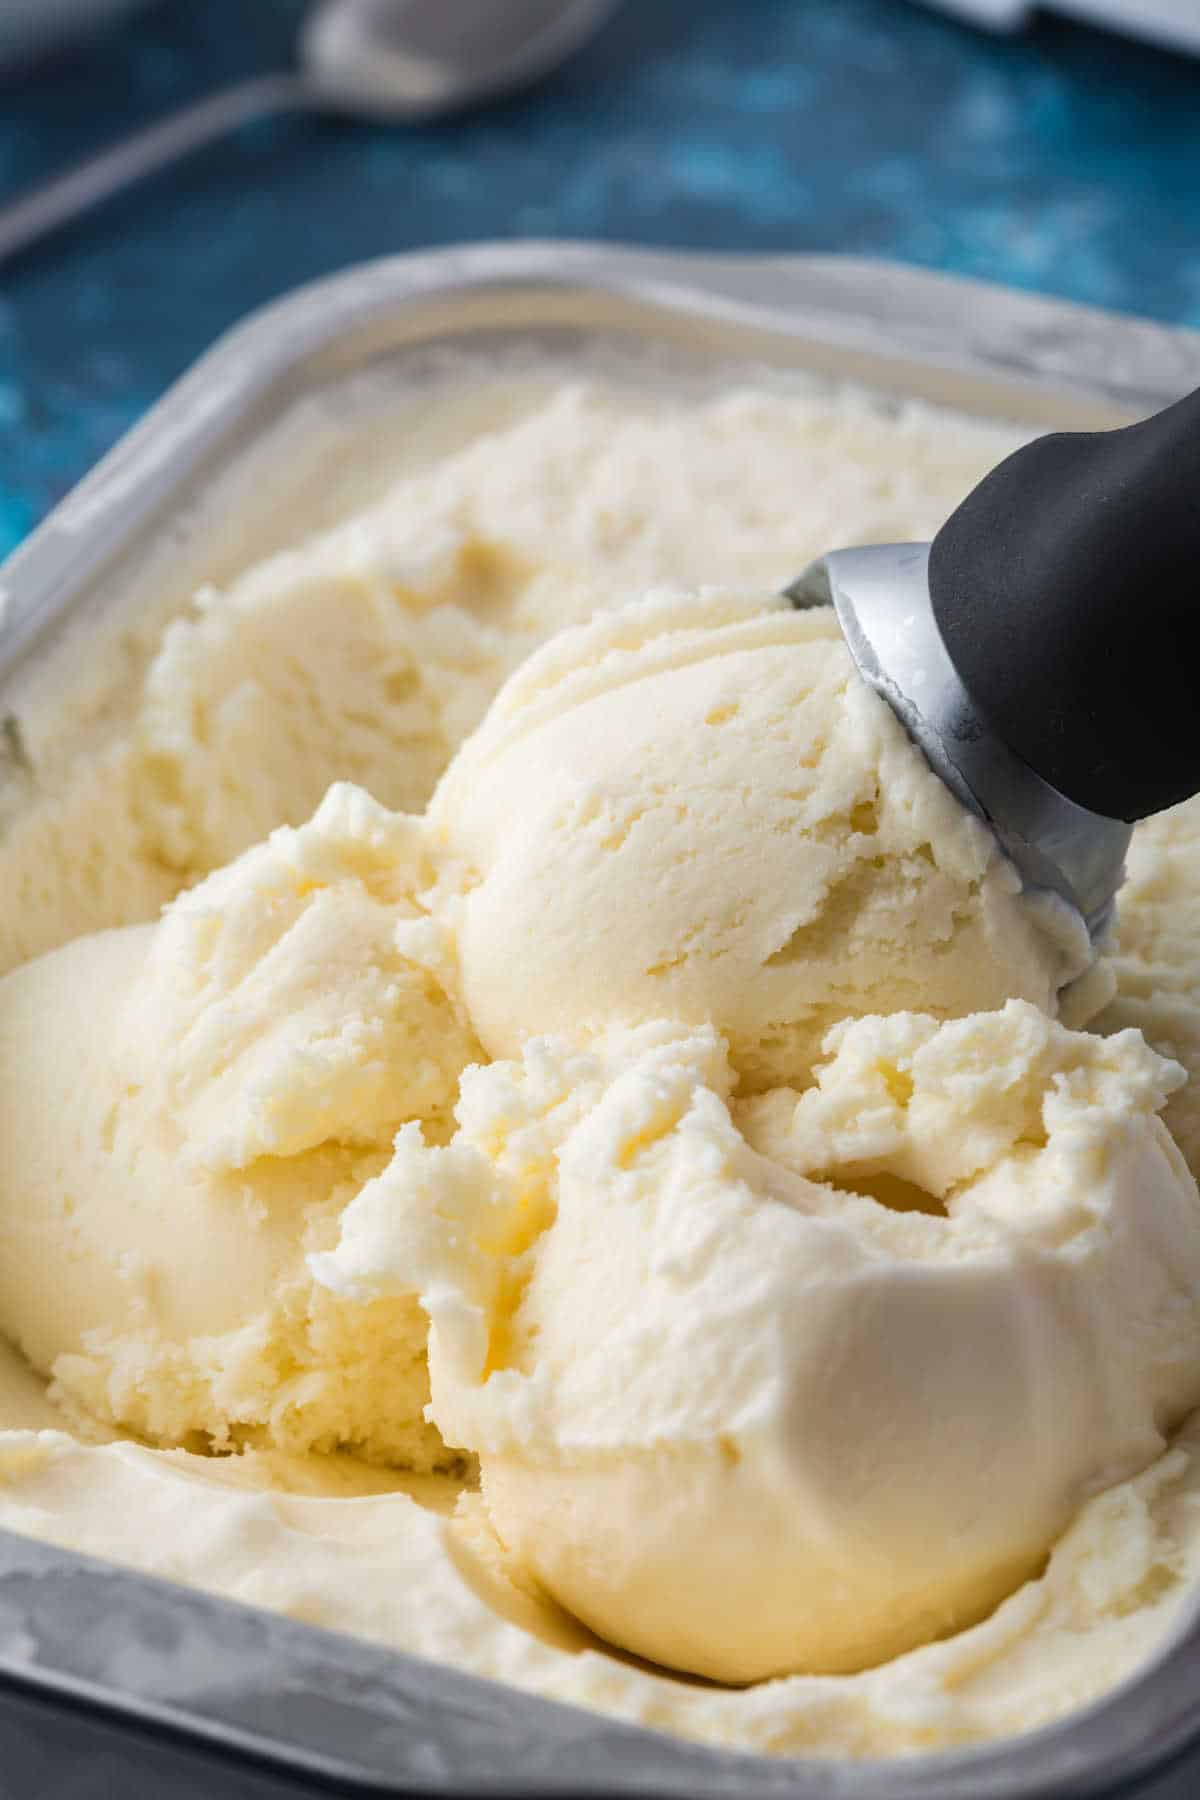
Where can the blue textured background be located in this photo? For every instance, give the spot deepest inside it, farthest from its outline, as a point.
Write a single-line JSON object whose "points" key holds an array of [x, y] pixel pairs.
{"points": [[1067, 160]]}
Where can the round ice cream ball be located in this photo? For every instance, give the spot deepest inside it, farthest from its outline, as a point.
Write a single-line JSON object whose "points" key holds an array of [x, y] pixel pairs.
{"points": [[186, 1108], [695, 809], [802, 1386]]}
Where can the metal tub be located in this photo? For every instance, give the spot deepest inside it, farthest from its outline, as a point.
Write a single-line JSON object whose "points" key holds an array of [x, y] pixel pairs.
{"points": [[115, 1684]]}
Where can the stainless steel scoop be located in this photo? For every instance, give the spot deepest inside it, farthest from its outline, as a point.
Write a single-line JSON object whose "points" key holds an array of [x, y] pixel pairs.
{"points": [[1044, 651]]}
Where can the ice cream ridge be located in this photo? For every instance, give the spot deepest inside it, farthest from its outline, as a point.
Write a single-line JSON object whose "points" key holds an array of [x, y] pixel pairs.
{"points": [[678, 1123]]}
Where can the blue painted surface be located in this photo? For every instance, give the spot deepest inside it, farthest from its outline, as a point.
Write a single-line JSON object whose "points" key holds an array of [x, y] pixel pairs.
{"points": [[1067, 160]]}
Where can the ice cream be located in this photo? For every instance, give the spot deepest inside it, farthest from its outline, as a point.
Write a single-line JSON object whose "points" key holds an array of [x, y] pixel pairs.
{"points": [[801, 1395], [272, 643], [705, 1374], [601, 1236], [1156, 957], [250, 1059], [227, 1079], [696, 810]]}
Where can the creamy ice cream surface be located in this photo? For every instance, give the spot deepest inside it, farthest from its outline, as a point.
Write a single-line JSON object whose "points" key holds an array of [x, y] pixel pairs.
{"points": [[647, 1202], [711, 1385], [230, 1076], [696, 810], [223, 696]]}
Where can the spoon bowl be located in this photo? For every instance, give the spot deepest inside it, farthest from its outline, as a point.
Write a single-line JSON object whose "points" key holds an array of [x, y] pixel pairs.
{"points": [[404, 60]]}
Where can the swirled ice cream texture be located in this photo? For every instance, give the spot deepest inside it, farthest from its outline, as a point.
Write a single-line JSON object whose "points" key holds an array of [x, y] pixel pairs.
{"points": [[800, 1385], [231, 1077], [705, 1375], [265, 1104], [696, 810], [250, 1059]]}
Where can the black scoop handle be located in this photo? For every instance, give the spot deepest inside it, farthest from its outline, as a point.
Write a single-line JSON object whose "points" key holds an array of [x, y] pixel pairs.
{"points": [[1067, 590]]}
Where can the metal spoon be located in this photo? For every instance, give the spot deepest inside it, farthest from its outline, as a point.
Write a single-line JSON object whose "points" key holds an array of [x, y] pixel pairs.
{"points": [[1044, 650], [400, 61]]}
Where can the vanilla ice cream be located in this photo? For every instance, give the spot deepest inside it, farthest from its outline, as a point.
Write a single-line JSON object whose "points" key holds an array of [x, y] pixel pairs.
{"points": [[222, 697], [696, 810], [738, 1413], [791, 1295], [230, 1077]]}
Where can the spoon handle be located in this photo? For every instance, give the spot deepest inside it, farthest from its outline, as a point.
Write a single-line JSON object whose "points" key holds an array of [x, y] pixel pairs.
{"points": [[1066, 588], [27, 220]]}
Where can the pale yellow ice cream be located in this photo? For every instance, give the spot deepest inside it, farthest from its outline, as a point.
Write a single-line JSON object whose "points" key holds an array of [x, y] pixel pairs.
{"points": [[185, 1109], [799, 1386], [696, 810], [1156, 956], [319, 1541], [235, 1075], [246, 1063], [352, 622]]}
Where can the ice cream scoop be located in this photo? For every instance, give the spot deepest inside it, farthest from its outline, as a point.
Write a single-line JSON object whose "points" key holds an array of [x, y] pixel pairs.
{"points": [[1042, 651], [693, 809]]}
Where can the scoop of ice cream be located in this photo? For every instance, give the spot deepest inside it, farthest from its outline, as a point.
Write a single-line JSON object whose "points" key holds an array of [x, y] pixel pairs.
{"points": [[368, 655], [799, 1386], [695, 809], [186, 1108]]}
